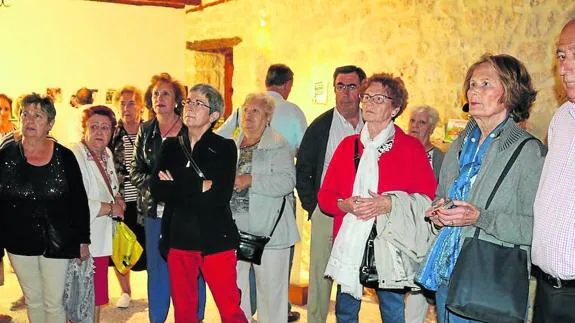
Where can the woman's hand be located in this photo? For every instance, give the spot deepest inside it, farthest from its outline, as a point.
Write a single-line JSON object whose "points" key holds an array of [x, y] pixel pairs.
{"points": [[242, 182], [463, 214], [370, 207], [366, 208], [165, 175], [120, 201], [84, 252], [206, 185], [118, 211]]}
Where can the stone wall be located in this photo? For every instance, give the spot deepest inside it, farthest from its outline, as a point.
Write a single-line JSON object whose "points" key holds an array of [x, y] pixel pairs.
{"points": [[429, 43]]}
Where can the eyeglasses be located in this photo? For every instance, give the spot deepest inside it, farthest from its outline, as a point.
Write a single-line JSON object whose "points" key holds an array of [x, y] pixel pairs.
{"points": [[100, 126], [340, 87], [376, 98], [191, 104]]}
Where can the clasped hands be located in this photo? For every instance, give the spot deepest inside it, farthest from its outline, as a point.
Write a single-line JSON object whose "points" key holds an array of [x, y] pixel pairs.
{"points": [[365, 208], [167, 176], [461, 214]]}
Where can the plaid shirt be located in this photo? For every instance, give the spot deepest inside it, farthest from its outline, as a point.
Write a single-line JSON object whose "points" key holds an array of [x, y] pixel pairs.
{"points": [[553, 248]]}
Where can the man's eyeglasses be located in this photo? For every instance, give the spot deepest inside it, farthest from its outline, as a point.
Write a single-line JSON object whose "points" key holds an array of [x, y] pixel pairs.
{"points": [[191, 104], [340, 87], [376, 98]]}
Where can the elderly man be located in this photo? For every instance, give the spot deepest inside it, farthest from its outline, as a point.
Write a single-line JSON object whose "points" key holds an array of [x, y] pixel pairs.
{"points": [[316, 150], [553, 247], [422, 123]]}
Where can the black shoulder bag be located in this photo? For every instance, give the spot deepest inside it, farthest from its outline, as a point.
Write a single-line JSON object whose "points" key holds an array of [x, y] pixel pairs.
{"points": [[490, 282], [367, 270], [251, 246]]}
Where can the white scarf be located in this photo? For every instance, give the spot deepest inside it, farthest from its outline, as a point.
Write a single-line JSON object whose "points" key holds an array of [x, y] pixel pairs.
{"points": [[349, 245]]}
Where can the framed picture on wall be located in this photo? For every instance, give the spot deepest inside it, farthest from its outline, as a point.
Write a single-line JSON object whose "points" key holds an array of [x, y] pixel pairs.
{"points": [[453, 128], [110, 95], [55, 93]]}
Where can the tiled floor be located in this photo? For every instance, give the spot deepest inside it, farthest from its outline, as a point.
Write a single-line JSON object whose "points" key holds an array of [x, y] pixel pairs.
{"points": [[138, 311]]}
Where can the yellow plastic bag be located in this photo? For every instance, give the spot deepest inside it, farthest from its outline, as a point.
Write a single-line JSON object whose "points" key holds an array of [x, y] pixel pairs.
{"points": [[126, 250]]}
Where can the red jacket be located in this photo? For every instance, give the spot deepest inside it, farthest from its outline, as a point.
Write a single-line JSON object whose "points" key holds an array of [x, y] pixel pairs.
{"points": [[404, 168]]}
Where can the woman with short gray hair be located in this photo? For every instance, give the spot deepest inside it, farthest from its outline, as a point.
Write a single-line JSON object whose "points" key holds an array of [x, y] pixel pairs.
{"points": [[195, 178]]}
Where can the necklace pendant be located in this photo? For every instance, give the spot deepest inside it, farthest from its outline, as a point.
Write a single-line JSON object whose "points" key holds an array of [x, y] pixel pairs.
{"points": [[188, 164]]}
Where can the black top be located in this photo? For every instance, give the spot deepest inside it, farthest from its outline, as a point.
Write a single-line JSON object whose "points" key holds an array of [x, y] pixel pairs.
{"points": [[193, 220], [310, 159], [33, 198]]}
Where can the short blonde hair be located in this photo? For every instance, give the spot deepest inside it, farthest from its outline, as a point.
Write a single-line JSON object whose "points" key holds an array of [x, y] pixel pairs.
{"points": [[138, 96], [263, 101]]}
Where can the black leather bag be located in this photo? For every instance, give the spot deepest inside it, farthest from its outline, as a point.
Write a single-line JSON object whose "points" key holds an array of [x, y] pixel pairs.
{"points": [[490, 282], [368, 270], [251, 246]]}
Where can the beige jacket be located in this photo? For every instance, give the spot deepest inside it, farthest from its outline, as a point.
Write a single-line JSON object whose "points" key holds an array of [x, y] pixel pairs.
{"points": [[403, 238]]}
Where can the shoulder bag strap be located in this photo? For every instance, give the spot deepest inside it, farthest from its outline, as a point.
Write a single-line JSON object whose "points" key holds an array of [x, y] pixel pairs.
{"points": [[502, 176], [190, 158], [280, 216], [356, 156], [101, 169]]}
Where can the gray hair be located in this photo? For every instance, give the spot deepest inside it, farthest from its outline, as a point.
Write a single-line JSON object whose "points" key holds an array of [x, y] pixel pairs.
{"points": [[432, 114], [44, 102], [214, 97], [262, 100]]}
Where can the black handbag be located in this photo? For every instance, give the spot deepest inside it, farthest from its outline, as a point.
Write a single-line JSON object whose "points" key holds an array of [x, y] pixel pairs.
{"points": [[490, 282], [367, 269], [251, 246]]}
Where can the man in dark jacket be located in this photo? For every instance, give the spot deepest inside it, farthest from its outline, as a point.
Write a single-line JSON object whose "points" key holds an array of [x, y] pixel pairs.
{"points": [[316, 149]]}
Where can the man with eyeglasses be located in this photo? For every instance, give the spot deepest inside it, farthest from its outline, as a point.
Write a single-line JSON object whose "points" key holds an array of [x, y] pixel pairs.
{"points": [[316, 150]]}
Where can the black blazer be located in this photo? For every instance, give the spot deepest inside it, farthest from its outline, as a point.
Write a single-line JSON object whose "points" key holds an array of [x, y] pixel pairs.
{"points": [[310, 159], [193, 220]]}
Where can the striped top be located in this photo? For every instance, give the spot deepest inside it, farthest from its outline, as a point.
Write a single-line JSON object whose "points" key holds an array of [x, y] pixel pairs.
{"points": [[553, 248], [130, 191]]}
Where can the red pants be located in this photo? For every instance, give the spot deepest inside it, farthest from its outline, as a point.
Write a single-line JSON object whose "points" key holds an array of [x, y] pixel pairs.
{"points": [[219, 272]]}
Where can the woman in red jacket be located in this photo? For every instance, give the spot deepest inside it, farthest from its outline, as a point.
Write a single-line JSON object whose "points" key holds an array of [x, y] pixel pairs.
{"points": [[355, 193]]}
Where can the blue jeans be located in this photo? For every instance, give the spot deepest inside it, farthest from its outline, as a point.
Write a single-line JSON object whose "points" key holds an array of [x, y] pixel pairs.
{"points": [[443, 314], [391, 306], [159, 279]]}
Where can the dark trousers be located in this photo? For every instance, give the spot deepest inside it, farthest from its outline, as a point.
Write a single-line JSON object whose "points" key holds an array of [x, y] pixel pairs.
{"points": [[553, 304], [219, 271]]}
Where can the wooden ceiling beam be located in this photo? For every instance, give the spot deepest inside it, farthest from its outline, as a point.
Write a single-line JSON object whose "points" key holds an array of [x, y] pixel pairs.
{"points": [[159, 3]]}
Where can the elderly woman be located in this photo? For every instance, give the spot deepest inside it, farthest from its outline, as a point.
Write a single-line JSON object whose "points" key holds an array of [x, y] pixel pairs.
{"points": [[195, 178], [422, 123], [264, 180], [6, 124], [104, 199], [393, 177], [499, 92], [164, 96], [130, 103], [45, 219]]}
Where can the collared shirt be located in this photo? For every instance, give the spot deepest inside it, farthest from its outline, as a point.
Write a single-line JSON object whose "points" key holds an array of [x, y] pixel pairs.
{"points": [[553, 248], [340, 128]]}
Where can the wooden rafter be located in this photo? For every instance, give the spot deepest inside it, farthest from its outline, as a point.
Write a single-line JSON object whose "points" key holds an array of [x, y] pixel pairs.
{"points": [[159, 3]]}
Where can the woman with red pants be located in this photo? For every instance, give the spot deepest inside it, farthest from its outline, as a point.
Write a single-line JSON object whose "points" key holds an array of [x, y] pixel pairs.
{"points": [[195, 178]]}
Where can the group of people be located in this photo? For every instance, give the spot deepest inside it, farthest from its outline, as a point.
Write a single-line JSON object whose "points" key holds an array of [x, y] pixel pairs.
{"points": [[187, 190], [357, 172]]}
